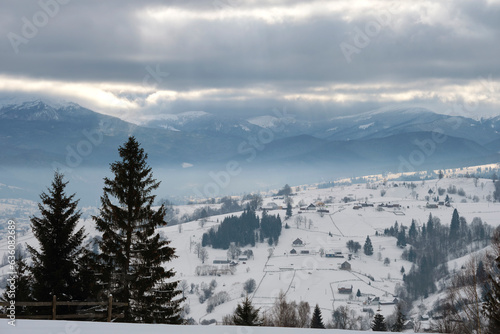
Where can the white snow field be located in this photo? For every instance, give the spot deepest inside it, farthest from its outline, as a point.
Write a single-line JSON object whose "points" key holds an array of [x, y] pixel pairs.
{"points": [[311, 277], [75, 327]]}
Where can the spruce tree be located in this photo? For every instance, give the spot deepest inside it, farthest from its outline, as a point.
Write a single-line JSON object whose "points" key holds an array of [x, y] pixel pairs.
{"points": [[317, 319], [378, 324], [368, 247], [454, 227], [56, 265], [246, 315], [132, 253], [401, 242], [288, 210], [400, 319], [413, 233]]}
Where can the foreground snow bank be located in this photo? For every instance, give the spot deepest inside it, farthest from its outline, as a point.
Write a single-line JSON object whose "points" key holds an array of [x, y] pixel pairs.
{"points": [[77, 327]]}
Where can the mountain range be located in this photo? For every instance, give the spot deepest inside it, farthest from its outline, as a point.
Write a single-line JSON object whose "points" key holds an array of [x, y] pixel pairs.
{"points": [[38, 133]]}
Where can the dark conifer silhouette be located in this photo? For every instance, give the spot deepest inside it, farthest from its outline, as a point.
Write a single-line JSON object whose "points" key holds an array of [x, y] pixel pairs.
{"points": [[133, 254], [378, 324], [246, 315], [56, 266], [317, 318]]}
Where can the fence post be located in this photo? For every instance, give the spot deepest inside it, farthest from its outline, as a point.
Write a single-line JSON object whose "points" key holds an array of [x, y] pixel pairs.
{"points": [[110, 307], [54, 303]]}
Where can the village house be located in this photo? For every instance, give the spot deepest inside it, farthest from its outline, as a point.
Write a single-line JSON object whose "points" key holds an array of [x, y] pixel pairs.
{"points": [[298, 243], [345, 266], [334, 254], [221, 261], [270, 206], [345, 288]]}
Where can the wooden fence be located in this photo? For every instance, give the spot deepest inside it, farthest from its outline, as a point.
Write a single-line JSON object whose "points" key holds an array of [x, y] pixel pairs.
{"points": [[109, 315]]}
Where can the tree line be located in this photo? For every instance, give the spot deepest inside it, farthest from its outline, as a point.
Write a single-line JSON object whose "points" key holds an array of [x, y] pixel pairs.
{"points": [[247, 229]]}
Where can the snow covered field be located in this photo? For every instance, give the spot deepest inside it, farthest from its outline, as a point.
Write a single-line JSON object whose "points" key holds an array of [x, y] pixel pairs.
{"points": [[312, 277], [73, 327]]}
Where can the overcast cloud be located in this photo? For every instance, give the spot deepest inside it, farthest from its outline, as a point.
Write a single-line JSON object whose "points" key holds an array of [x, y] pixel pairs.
{"points": [[137, 59]]}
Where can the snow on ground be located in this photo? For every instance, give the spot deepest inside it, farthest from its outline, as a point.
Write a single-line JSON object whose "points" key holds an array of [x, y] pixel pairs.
{"points": [[73, 327], [312, 277]]}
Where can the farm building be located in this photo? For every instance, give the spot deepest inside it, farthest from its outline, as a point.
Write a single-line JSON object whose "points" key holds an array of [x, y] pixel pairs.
{"points": [[270, 206], [344, 288], [334, 254], [298, 243], [221, 261], [345, 266]]}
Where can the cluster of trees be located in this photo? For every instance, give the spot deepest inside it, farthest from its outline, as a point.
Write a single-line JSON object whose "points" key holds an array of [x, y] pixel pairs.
{"points": [[290, 314], [472, 300], [353, 246], [228, 205], [285, 191], [282, 314], [432, 245], [129, 262], [244, 230], [496, 193]]}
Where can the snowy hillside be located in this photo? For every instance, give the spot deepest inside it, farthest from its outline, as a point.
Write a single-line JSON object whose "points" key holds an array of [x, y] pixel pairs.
{"points": [[310, 275]]}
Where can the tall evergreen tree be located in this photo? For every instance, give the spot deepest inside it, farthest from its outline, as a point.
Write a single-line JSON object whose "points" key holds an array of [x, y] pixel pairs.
{"points": [[454, 227], [56, 265], [368, 247], [132, 253], [400, 319], [378, 324], [246, 315], [317, 318], [401, 242], [413, 233], [288, 210]]}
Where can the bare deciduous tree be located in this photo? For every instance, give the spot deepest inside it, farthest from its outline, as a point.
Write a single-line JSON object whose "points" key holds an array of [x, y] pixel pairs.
{"points": [[283, 313], [345, 318], [233, 252], [203, 255], [304, 311], [462, 311], [197, 249]]}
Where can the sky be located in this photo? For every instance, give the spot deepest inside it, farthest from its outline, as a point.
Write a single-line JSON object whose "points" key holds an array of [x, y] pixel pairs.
{"points": [[244, 58]]}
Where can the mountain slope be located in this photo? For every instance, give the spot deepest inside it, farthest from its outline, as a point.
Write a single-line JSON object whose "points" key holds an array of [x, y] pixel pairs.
{"points": [[37, 134]]}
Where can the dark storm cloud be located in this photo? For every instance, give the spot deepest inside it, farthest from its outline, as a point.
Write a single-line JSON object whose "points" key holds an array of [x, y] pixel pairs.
{"points": [[234, 45]]}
